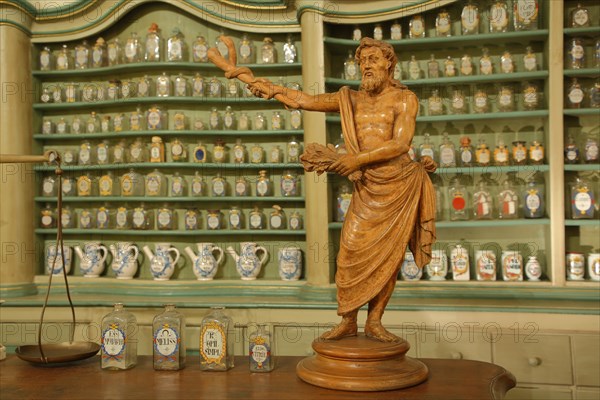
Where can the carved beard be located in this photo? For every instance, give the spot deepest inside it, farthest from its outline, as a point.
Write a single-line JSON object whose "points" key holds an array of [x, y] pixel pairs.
{"points": [[375, 82]]}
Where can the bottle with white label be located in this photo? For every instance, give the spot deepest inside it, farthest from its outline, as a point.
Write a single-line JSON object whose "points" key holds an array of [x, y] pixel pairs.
{"points": [[261, 349], [414, 68], [115, 52], [575, 94], [118, 339], [219, 186], [469, 19], [200, 49], [582, 199], [82, 55], [277, 218], [443, 24], [525, 14], [216, 350], [168, 331], [529, 60], [289, 51], [459, 263], [293, 150], [435, 105], [534, 194], [512, 265], [246, 53], [498, 16], [486, 65], [447, 153], [264, 186], [508, 201], [577, 53], [483, 200], [351, 71], [426, 149]]}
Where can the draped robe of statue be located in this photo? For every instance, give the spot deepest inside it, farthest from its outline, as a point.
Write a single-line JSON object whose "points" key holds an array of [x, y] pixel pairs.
{"points": [[393, 205]]}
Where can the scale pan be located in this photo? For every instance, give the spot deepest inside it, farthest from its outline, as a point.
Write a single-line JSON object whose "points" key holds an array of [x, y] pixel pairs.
{"points": [[57, 352]]}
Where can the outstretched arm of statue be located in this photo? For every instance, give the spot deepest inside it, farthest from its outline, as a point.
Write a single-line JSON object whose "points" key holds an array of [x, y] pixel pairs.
{"points": [[327, 102], [403, 132]]}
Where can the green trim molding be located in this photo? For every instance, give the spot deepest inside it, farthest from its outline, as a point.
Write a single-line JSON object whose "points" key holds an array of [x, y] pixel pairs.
{"points": [[16, 290]]}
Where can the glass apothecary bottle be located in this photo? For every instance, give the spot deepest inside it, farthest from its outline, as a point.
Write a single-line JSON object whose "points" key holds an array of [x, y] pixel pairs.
{"points": [[449, 67], [582, 199], [235, 218], [276, 155], [260, 349], [458, 198], [214, 119], [293, 150], [378, 32], [290, 54], [136, 119], [519, 152], [163, 85], [268, 53], [107, 185], [137, 151], [508, 201], [531, 96], [200, 49], [103, 153], [156, 184], [46, 59], [177, 185], [525, 14], [47, 126], [180, 86], [483, 156], [61, 126], [466, 65], [166, 218], [343, 199], [142, 218], [49, 186], [536, 153], [114, 52], [501, 154], [579, 17], [133, 49], [176, 47], [118, 152], [498, 16], [246, 51], [277, 122], [215, 87], [277, 218], [48, 217], [198, 85], [82, 55], [46, 96], [70, 156], [63, 59], [506, 98], [105, 217], [290, 185], [257, 219], [199, 153], [507, 65], [396, 31], [575, 94], [243, 122], [483, 199], [356, 33], [443, 24], [71, 93], [118, 341], [214, 219], [86, 156], [534, 196], [191, 219], [219, 151], [447, 152], [264, 186], [257, 154], [232, 88], [486, 65], [219, 186], [179, 121], [416, 27], [168, 347], [157, 150], [99, 54], [123, 218], [426, 149], [216, 349], [577, 53], [156, 118], [351, 71], [466, 153], [57, 94], [571, 151], [529, 60], [435, 105], [458, 105], [153, 44], [87, 218], [178, 150], [239, 152], [296, 222], [106, 124], [595, 95], [69, 186], [433, 67], [590, 151], [469, 19], [414, 68], [198, 186]]}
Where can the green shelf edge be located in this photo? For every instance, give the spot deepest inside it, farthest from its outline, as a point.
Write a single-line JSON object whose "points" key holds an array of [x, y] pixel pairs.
{"points": [[182, 133], [158, 67], [452, 40], [582, 167], [590, 72], [582, 31], [582, 111], [184, 165], [99, 199], [163, 101], [517, 76], [469, 117], [198, 232], [582, 222], [494, 223]]}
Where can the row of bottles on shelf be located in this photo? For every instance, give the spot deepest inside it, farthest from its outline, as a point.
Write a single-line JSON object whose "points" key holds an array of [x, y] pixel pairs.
{"points": [[461, 200], [465, 66], [485, 265], [588, 153], [152, 49], [449, 155], [163, 86], [143, 218], [576, 94], [157, 184], [165, 257], [155, 118], [524, 16], [576, 266], [576, 57], [480, 102], [119, 341], [103, 153]]}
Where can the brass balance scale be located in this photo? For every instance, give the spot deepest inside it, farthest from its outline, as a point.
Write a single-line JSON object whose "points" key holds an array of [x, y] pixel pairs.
{"points": [[53, 353]]}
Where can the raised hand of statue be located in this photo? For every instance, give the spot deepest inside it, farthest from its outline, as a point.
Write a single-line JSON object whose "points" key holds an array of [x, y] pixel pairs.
{"points": [[345, 165]]}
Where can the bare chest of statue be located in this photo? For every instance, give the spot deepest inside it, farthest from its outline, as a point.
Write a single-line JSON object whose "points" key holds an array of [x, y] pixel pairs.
{"points": [[374, 119]]}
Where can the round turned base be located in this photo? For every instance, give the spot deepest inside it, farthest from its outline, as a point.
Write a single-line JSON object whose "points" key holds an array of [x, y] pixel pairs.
{"points": [[361, 364]]}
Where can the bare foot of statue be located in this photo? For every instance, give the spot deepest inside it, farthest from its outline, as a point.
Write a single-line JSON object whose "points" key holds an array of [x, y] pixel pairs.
{"points": [[375, 330], [347, 327]]}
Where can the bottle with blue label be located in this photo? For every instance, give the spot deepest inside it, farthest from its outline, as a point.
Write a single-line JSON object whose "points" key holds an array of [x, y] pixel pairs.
{"points": [[168, 345], [534, 194], [261, 350], [410, 271], [118, 339]]}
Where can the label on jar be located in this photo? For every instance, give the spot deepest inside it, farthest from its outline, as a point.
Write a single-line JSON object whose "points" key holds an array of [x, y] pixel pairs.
{"points": [[262, 188], [276, 221], [466, 156], [576, 96], [213, 343], [480, 101], [213, 222], [240, 188], [197, 187], [218, 187], [121, 218], [577, 52], [48, 188], [532, 201], [164, 218], [154, 119], [113, 340], [255, 221], [505, 99], [234, 220], [139, 218], [46, 220], [102, 218], [580, 17], [166, 341], [288, 186], [447, 155], [153, 185], [127, 185], [583, 202]]}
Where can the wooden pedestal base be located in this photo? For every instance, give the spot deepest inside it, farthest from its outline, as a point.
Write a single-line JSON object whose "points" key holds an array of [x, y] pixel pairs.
{"points": [[361, 364]]}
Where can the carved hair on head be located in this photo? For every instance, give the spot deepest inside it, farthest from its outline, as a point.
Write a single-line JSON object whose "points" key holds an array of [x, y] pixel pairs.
{"points": [[386, 49]]}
